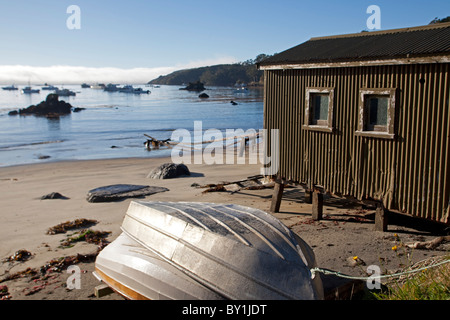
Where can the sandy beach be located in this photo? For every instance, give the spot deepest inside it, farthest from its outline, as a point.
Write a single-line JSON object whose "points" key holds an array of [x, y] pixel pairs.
{"points": [[345, 232]]}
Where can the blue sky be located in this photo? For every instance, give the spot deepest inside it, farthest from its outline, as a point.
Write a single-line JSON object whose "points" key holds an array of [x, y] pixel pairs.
{"points": [[160, 36]]}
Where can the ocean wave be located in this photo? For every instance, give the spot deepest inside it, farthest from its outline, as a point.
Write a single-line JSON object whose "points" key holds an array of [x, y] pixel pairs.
{"points": [[16, 146]]}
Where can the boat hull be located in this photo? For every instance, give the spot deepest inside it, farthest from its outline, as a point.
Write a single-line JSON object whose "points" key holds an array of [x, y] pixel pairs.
{"points": [[228, 251]]}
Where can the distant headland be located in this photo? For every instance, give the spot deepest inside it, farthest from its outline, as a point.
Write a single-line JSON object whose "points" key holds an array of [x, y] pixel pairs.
{"points": [[217, 75]]}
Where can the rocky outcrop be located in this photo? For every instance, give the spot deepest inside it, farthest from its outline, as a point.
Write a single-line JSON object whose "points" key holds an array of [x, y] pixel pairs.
{"points": [[50, 107], [194, 86], [169, 171]]}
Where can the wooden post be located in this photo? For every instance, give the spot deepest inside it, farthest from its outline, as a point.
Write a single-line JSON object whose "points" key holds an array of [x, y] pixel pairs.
{"points": [[317, 205], [277, 195], [381, 219]]}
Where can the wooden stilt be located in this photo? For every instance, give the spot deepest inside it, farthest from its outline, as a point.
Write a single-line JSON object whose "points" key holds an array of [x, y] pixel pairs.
{"points": [[317, 205], [381, 219], [277, 195]]}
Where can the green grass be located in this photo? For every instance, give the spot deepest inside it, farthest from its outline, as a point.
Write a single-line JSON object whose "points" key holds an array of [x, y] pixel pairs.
{"points": [[429, 284]]}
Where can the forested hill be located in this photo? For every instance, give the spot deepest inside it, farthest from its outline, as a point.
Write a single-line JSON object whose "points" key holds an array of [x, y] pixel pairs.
{"points": [[218, 75]]}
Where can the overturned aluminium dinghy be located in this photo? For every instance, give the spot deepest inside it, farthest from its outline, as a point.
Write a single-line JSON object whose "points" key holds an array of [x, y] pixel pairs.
{"points": [[189, 250]]}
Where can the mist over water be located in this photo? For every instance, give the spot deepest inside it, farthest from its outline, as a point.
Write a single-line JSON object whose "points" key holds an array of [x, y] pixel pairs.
{"points": [[113, 124]]}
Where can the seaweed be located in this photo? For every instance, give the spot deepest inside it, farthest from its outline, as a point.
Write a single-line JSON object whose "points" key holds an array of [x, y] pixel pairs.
{"points": [[20, 255], [88, 235], [70, 225]]}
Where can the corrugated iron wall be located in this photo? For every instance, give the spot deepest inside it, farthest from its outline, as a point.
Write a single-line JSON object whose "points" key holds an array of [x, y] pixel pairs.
{"points": [[410, 174]]}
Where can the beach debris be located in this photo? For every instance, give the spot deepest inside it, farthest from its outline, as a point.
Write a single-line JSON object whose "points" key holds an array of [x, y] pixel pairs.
{"points": [[4, 293], [256, 182], [20, 255], [88, 235], [70, 225], [54, 195], [118, 192], [47, 274], [155, 143], [428, 245], [51, 107], [354, 261], [169, 171]]}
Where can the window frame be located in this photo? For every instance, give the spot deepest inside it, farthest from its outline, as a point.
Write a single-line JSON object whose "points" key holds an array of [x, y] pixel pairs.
{"points": [[308, 125], [362, 130]]}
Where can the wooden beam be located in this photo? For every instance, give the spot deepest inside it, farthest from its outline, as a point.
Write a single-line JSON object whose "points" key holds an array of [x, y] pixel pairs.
{"points": [[277, 195], [317, 205]]}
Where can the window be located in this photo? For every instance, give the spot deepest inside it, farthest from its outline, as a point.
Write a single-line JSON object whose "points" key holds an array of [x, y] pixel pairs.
{"points": [[376, 113], [319, 109]]}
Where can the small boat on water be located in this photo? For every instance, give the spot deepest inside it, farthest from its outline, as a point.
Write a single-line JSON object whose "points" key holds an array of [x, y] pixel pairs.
{"points": [[98, 86], [112, 87], [10, 88], [65, 92], [131, 89], [28, 90], [50, 88], [189, 250]]}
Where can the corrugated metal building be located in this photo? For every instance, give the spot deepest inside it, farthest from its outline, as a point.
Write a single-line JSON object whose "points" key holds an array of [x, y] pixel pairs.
{"points": [[366, 116]]}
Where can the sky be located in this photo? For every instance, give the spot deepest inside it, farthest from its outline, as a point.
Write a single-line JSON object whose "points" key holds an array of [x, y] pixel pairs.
{"points": [[135, 41]]}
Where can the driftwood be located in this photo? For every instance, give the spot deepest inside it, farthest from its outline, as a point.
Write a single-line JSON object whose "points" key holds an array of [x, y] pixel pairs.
{"points": [[155, 143], [429, 245], [250, 183]]}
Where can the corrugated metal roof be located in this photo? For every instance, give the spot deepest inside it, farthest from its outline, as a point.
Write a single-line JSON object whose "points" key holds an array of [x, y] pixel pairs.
{"points": [[398, 43]]}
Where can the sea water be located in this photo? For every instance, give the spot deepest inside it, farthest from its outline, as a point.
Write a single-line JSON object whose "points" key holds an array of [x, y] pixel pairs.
{"points": [[113, 124]]}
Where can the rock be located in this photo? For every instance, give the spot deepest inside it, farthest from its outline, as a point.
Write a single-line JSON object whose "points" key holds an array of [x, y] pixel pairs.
{"points": [[168, 171], [203, 95], [194, 86], [53, 195], [13, 113], [50, 107], [233, 103], [118, 192], [355, 261], [78, 109]]}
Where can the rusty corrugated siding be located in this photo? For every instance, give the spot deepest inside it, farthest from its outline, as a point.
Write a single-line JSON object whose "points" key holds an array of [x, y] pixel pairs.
{"points": [[410, 173]]}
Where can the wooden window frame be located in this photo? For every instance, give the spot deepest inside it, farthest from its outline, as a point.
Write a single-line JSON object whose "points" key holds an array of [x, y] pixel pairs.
{"points": [[389, 132], [324, 125]]}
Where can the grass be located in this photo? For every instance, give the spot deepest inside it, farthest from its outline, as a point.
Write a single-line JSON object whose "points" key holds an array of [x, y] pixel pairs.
{"points": [[429, 284]]}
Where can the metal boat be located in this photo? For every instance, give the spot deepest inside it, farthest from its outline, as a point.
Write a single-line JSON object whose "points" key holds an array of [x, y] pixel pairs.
{"points": [[65, 92], [50, 88], [10, 88], [30, 90], [191, 250], [131, 89]]}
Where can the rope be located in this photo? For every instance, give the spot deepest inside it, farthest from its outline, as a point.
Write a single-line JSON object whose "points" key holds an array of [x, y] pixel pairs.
{"points": [[341, 275]]}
